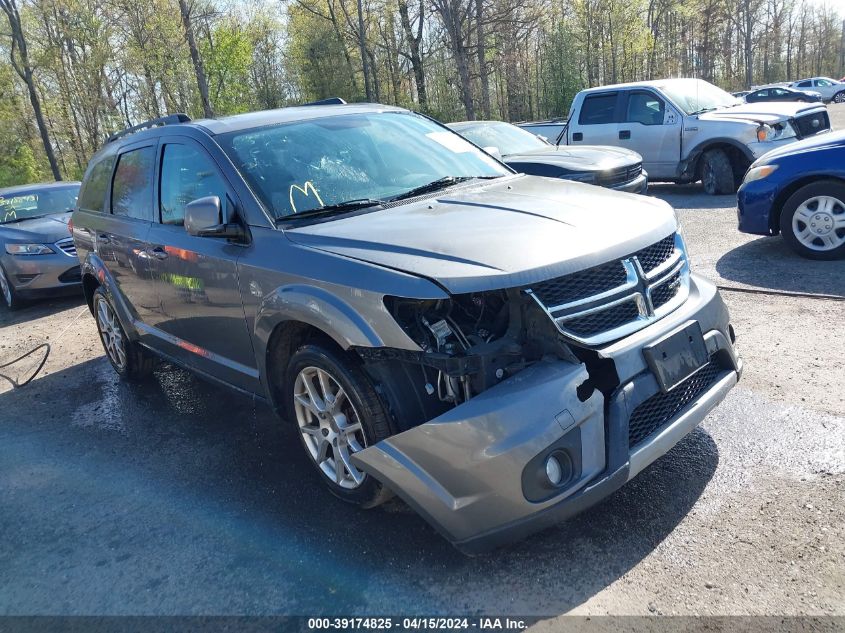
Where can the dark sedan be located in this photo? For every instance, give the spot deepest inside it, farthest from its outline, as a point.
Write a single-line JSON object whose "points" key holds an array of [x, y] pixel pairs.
{"points": [[613, 167], [799, 191], [37, 255], [782, 93]]}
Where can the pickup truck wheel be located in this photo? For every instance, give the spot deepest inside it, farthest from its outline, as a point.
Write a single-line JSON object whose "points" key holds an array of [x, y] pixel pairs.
{"points": [[338, 413], [839, 97], [717, 174], [813, 221], [127, 358], [7, 293]]}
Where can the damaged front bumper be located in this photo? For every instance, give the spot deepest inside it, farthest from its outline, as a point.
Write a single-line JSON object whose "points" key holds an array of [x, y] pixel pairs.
{"points": [[476, 473]]}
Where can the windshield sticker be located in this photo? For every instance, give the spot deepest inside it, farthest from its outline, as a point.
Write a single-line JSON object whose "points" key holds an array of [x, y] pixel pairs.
{"points": [[306, 191]]}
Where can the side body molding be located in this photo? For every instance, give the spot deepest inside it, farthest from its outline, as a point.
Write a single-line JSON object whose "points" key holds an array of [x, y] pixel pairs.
{"points": [[463, 471]]}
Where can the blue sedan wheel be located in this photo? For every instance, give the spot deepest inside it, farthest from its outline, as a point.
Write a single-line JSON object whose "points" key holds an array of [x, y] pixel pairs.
{"points": [[813, 220]]}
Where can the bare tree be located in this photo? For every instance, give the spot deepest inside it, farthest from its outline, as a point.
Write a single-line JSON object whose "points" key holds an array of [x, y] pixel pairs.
{"points": [[19, 56], [202, 80]]}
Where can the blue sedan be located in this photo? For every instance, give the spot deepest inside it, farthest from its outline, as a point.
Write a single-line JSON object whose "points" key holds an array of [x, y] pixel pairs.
{"points": [[799, 191]]}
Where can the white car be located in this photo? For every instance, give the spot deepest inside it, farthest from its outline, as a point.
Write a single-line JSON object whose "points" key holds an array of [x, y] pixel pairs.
{"points": [[829, 89]]}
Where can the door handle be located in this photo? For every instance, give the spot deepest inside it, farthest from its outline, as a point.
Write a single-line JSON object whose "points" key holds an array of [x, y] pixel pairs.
{"points": [[624, 134], [577, 136], [158, 252]]}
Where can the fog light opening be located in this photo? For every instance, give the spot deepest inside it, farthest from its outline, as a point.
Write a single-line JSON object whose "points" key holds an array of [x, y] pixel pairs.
{"points": [[554, 471]]}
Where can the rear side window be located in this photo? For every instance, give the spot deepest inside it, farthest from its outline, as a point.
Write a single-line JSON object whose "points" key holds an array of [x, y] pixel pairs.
{"points": [[92, 196], [132, 189], [187, 174], [805, 84], [598, 109]]}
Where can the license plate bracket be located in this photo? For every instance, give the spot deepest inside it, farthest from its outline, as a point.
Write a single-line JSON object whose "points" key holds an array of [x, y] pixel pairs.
{"points": [[677, 356]]}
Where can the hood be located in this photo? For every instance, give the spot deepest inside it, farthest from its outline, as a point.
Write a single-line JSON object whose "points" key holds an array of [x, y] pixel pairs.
{"points": [[508, 232], [578, 158], [45, 230], [820, 141], [761, 112]]}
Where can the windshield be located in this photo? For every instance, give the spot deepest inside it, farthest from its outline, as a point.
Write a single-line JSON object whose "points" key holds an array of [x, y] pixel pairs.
{"points": [[308, 165], [34, 203], [695, 95], [507, 138]]}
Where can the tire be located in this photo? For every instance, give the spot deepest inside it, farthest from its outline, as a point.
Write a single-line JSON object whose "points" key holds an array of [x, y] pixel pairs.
{"points": [[839, 97], [717, 174], [8, 297], [812, 220], [359, 419], [128, 359]]}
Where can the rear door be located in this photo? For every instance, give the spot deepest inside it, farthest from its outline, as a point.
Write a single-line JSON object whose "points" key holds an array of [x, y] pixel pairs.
{"points": [[121, 237], [597, 122], [201, 319], [651, 127]]}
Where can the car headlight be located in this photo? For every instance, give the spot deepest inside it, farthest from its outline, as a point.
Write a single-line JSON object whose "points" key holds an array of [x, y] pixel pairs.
{"points": [[28, 249], [776, 132], [582, 177], [759, 172]]}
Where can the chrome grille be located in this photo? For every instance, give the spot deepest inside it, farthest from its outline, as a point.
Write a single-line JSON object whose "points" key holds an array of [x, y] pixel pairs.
{"points": [[612, 300], [619, 176], [658, 410], [67, 246]]}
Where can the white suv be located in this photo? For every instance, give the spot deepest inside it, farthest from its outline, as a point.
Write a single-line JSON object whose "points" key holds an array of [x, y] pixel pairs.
{"points": [[829, 89]]}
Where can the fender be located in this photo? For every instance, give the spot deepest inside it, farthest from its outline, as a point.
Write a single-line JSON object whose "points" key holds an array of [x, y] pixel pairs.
{"points": [[95, 267], [686, 168]]}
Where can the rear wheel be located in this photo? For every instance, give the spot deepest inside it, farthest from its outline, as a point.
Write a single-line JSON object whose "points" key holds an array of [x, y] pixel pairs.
{"points": [[839, 97], [7, 292], [717, 174], [338, 413], [128, 358], [813, 220]]}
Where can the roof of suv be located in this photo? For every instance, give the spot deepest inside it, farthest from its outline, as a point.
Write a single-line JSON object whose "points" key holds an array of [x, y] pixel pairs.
{"points": [[654, 83]]}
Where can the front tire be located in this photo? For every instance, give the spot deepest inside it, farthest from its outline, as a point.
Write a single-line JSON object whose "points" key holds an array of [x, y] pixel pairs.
{"points": [[812, 221], [717, 174], [7, 292], [128, 359], [338, 413]]}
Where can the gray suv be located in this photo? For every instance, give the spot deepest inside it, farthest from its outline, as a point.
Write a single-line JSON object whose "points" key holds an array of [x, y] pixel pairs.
{"points": [[500, 350]]}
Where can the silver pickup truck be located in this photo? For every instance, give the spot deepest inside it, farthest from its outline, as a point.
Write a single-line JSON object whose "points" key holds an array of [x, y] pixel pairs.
{"points": [[687, 129]]}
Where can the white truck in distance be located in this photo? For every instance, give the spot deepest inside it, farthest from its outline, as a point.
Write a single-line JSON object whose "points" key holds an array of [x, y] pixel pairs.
{"points": [[687, 129]]}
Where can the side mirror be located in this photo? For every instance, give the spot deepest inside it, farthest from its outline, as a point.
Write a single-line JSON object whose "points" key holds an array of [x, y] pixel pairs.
{"points": [[493, 151], [204, 218]]}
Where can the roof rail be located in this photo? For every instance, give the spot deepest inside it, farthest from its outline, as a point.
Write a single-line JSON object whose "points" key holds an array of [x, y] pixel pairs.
{"points": [[329, 101], [170, 119]]}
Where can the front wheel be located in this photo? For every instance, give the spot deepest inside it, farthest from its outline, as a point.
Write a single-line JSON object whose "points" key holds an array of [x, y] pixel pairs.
{"points": [[717, 174], [7, 292], [813, 220], [338, 413]]}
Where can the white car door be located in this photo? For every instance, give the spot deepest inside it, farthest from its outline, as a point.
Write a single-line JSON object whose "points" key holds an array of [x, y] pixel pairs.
{"points": [[597, 122], [651, 127]]}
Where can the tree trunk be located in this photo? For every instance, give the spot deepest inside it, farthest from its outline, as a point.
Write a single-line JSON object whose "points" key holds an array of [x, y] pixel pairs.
{"points": [[414, 45], [24, 70], [202, 80], [362, 43], [482, 61]]}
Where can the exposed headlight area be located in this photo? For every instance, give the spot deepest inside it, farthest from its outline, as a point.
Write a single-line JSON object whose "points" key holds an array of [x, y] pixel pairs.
{"points": [[778, 131], [29, 249]]}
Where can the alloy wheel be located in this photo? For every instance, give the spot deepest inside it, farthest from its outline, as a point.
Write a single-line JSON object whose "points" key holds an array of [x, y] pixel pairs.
{"points": [[114, 340], [5, 288], [839, 97], [819, 223], [330, 426]]}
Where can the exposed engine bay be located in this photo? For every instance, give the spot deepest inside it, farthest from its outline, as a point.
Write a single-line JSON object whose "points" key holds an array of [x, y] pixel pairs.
{"points": [[469, 343]]}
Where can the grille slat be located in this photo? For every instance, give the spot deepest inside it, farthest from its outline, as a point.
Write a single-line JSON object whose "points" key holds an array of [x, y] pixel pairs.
{"points": [[665, 292], [652, 256], [619, 176], [580, 285], [658, 410], [603, 320], [67, 246]]}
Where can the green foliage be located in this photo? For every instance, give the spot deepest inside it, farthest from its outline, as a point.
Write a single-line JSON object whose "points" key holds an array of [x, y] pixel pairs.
{"points": [[227, 56]]}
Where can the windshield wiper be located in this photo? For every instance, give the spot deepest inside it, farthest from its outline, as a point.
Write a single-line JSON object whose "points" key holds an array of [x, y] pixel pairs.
{"points": [[436, 185], [703, 110], [329, 209]]}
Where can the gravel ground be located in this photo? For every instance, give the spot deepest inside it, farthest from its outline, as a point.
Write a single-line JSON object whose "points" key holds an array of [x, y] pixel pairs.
{"points": [[175, 497]]}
